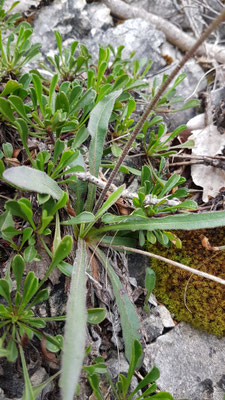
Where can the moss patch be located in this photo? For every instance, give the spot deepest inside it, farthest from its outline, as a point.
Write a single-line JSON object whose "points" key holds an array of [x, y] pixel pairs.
{"points": [[191, 298]]}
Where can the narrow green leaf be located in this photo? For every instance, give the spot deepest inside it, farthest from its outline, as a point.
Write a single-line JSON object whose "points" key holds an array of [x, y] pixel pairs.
{"points": [[118, 240], [4, 290], [33, 180], [189, 221], [75, 329], [26, 207], [62, 251], [86, 99], [38, 89], [151, 377], [29, 253], [65, 268], [12, 351], [80, 137], [97, 127], [135, 360], [170, 184], [10, 87], [18, 106], [18, 267], [149, 280], [29, 289], [58, 149], [82, 218], [41, 296], [53, 84], [60, 203], [175, 133], [39, 388], [6, 110], [128, 314], [28, 392], [106, 205], [59, 42], [189, 104]]}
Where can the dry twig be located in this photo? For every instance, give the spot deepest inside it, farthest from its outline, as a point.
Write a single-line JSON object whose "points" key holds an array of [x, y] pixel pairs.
{"points": [[168, 261], [173, 34]]}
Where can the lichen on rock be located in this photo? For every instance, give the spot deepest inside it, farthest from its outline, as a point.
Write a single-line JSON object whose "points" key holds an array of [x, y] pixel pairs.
{"points": [[192, 298]]}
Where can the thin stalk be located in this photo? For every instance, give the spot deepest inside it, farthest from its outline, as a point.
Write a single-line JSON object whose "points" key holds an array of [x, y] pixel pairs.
{"points": [[154, 101], [168, 261]]}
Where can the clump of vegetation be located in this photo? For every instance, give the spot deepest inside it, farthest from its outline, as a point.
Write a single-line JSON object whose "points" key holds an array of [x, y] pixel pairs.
{"points": [[192, 298], [56, 123]]}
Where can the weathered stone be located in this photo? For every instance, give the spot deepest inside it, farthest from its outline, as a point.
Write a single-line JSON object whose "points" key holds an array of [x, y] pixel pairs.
{"points": [[66, 16], [165, 316], [72, 19], [136, 35], [163, 8], [137, 263], [118, 366], [191, 363], [39, 377], [153, 327], [22, 6]]}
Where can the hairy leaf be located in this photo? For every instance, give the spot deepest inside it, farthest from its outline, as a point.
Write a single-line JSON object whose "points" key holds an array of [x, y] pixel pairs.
{"points": [[75, 329], [33, 180]]}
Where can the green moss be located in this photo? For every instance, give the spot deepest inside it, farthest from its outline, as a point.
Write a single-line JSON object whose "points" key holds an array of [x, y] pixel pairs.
{"points": [[191, 298]]}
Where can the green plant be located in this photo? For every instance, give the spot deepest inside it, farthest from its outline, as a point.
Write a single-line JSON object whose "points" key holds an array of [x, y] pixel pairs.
{"points": [[65, 64], [18, 50], [18, 318], [157, 147], [121, 390], [88, 236], [8, 21], [84, 110]]}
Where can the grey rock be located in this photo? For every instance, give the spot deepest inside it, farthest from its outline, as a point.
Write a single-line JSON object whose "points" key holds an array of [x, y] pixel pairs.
{"points": [[153, 327], [136, 35], [99, 16], [72, 19], [66, 16], [39, 377], [22, 6], [152, 300], [163, 8], [191, 363], [217, 96], [165, 316], [137, 263], [118, 366]]}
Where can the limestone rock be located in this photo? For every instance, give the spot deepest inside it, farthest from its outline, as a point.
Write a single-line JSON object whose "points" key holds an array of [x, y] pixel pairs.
{"points": [[136, 35], [191, 363]]}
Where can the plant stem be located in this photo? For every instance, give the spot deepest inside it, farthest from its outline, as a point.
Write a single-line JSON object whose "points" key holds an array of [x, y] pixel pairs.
{"points": [[168, 261], [188, 55]]}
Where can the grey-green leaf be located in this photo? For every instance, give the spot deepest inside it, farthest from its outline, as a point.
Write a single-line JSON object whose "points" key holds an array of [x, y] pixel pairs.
{"points": [[97, 127], [128, 315], [75, 329], [189, 221], [33, 180]]}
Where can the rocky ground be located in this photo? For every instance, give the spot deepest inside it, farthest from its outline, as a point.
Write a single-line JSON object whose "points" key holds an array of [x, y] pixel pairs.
{"points": [[191, 362]]}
